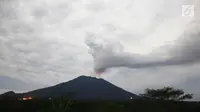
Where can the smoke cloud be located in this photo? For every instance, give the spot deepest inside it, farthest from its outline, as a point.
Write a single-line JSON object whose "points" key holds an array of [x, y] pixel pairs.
{"points": [[106, 55]]}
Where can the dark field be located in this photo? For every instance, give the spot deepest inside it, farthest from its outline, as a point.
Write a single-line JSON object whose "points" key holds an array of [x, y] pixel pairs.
{"points": [[59, 105]]}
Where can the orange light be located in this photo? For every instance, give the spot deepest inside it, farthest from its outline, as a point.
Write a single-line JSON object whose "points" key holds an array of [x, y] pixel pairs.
{"points": [[28, 98], [25, 98]]}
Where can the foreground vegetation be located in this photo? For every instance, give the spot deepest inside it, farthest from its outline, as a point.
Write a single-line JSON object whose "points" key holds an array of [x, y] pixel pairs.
{"points": [[166, 99], [98, 106], [167, 93]]}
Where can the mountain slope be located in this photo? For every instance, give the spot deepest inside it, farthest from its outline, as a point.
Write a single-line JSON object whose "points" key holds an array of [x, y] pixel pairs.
{"points": [[84, 88]]}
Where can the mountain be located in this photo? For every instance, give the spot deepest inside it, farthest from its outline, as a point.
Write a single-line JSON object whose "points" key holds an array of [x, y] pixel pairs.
{"points": [[83, 88], [10, 95]]}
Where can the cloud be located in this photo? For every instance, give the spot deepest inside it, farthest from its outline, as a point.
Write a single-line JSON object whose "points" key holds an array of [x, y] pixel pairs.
{"points": [[186, 50], [33, 44]]}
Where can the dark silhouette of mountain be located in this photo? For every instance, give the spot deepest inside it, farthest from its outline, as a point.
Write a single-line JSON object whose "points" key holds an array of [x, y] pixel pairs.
{"points": [[10, 95], [83, 88]]}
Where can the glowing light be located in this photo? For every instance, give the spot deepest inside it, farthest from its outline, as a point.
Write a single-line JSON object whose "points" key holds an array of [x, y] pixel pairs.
{"points": [[25, 98], [28, 98]]}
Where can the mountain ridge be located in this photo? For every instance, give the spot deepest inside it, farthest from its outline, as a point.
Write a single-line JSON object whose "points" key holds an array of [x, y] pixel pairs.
{"points": [[83, 88]]}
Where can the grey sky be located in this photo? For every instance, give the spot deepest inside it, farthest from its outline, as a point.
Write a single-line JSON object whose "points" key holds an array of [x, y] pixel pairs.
{"points": [[185, 51], [46, 41]]}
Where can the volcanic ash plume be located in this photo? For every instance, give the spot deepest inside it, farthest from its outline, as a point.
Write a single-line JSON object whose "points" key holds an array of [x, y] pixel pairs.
{"points": [[111, 55]]}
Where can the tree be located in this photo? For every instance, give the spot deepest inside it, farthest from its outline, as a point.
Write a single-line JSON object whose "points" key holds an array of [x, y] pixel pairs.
{"points": [[166, 93]]}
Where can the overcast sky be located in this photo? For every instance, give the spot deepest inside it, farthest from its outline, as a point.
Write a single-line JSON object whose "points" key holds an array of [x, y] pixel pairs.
{"points": [[134, 44]]}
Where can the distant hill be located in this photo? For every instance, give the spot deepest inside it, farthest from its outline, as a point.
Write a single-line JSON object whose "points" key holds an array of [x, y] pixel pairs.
{"points": [[10, 95], [83, 88]]}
